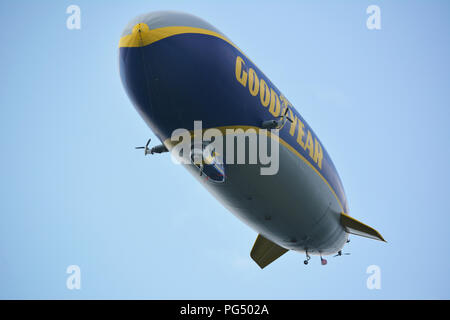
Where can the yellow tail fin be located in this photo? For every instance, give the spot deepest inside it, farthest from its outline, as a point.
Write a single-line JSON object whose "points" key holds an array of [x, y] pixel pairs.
{"points": [[358, 228], [265, 252]]}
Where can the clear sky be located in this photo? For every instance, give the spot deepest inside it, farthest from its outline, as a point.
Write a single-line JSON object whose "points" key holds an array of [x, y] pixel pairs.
{"points": [[75, 192]]}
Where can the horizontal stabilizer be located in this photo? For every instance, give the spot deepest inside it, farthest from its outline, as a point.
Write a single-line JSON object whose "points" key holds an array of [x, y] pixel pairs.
{"points": [[358, 228], [265, 252]]}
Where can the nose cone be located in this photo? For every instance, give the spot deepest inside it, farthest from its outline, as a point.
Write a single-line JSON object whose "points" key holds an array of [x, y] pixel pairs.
{"points": [[162, 24], [139, 37]]}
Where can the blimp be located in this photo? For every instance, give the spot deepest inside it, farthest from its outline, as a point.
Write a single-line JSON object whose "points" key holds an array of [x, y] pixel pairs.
{"points": [[182, 73]]}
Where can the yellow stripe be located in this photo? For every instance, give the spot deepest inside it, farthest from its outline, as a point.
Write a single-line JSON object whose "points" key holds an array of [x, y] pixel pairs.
{"points": [[142, 36], [169, 144]]}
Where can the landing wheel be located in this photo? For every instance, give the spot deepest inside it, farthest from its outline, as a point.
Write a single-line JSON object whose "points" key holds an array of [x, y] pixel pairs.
{"points": [[307, 258]]}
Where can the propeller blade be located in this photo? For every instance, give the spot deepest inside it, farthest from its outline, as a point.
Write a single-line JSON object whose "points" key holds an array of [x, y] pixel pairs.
{"points": [[146, 146]]}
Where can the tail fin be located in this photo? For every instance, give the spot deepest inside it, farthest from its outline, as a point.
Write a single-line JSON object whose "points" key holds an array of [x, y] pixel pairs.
{"points": [[358, 228], [265, 252]]}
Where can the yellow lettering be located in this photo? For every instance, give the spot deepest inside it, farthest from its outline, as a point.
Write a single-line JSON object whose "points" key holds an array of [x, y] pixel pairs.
{"points": [[318, 154], [274, 104], [309, 144], [285, 102], [294, 122], [241, 75], [264, 93], [301, 133], [253, 82]]}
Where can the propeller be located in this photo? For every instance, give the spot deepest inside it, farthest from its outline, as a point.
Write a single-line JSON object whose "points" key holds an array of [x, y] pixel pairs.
{"points": [[341, 254], [146, 149], [277, 124], [285, 113]]}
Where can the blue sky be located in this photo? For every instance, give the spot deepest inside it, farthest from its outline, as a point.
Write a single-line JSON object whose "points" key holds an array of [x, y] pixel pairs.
{"points": [[75, 192]]}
